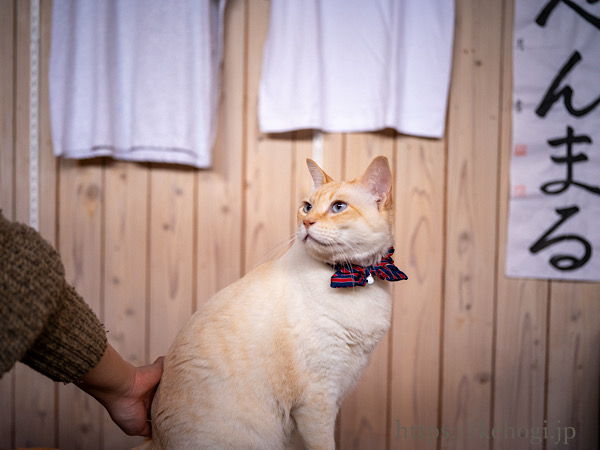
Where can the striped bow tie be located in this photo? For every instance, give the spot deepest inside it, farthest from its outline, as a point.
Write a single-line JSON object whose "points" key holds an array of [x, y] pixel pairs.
{"points": [[352, 275]]}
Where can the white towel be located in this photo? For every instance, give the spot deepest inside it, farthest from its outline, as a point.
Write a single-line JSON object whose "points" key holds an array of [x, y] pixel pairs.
{"points": [[357, 65], [135, 79]]}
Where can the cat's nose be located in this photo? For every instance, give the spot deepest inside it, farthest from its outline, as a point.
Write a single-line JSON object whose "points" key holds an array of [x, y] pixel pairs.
{"points": [[307, 222]]}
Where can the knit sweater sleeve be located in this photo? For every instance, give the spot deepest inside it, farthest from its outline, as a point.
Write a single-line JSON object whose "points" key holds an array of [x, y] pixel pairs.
{"points": [[43, 321]]}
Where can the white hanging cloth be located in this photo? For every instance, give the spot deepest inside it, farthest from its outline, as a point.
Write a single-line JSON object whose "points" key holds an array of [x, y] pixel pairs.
{"points": [[135, 79], [357, 65]]}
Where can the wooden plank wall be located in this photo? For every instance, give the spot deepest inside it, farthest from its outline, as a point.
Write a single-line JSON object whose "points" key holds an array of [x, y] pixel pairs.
{"points": [[146, 244]]}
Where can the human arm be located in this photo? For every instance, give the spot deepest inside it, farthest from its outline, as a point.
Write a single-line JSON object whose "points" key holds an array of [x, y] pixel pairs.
{"points": [[45, 324]]}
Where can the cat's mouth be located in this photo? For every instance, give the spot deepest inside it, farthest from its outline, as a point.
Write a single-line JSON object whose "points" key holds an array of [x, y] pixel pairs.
{"points": [[312, 238]]}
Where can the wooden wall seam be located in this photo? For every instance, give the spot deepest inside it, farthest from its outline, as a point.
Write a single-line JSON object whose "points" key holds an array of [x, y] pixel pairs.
{"points": [[504, 37], [547, 350], [148, 249]]}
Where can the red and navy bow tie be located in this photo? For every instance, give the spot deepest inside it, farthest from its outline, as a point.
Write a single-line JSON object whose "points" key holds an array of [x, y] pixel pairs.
{"points": [[351, 275]]}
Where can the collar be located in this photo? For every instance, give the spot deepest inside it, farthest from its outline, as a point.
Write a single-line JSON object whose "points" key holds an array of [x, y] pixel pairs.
{"points": [[350, 275]]}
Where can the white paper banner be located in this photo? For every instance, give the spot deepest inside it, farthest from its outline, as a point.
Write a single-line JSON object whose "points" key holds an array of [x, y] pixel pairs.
{"points": [[554, 220]]}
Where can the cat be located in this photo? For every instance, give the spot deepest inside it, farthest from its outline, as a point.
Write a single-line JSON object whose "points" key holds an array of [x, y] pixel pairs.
{"points": [[277, 351]]}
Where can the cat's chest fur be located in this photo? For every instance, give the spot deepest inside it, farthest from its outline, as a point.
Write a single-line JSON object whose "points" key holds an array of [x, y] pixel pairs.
{"points": [[336, 329], [348, 316]]}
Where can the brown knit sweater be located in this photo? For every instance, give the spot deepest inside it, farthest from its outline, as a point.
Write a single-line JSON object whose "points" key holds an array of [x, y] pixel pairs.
{"points": [[43, 322]]}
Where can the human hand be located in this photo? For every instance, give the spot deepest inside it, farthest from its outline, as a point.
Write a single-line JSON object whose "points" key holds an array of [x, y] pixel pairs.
{"points": [[124, 390], [131, 410]]}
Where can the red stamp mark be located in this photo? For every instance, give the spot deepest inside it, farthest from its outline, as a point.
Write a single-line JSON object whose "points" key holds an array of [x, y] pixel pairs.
{"points": [[519, 190], [520, 150]]}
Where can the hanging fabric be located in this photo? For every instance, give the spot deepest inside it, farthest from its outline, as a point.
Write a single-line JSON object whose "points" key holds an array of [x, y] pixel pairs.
{"points": [[357, 65], [135, 80]]}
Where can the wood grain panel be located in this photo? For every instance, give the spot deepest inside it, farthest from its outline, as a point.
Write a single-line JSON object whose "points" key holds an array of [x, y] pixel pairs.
{"points": [[520, 358], [219, 247], [21, 111], [80, 244], [268, 210], [334, 147], [125, 273], [125, 256], [574, 366], [470, 264], [7, 155], [7, 150], [170, 255], [414, 377], [268, 192], [363, 416], [36, 395], [7, 416]]}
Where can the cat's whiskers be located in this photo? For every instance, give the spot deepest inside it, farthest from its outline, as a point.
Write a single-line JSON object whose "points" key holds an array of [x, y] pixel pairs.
{"points": [[279, 249]]}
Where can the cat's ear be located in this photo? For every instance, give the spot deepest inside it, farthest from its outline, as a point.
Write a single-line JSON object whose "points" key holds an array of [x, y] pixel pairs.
{"points": [[318, 176], [378, 180]]}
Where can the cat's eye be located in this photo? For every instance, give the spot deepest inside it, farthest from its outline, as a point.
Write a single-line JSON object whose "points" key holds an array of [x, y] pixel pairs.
{"points": [[307, 207], [338, 207]]}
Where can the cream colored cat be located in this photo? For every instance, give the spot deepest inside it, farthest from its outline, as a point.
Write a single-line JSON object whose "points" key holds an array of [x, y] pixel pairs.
{"points": [[278, 350]]}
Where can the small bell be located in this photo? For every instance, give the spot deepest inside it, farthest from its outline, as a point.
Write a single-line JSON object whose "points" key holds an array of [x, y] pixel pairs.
{"points": [[370, 279]]}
